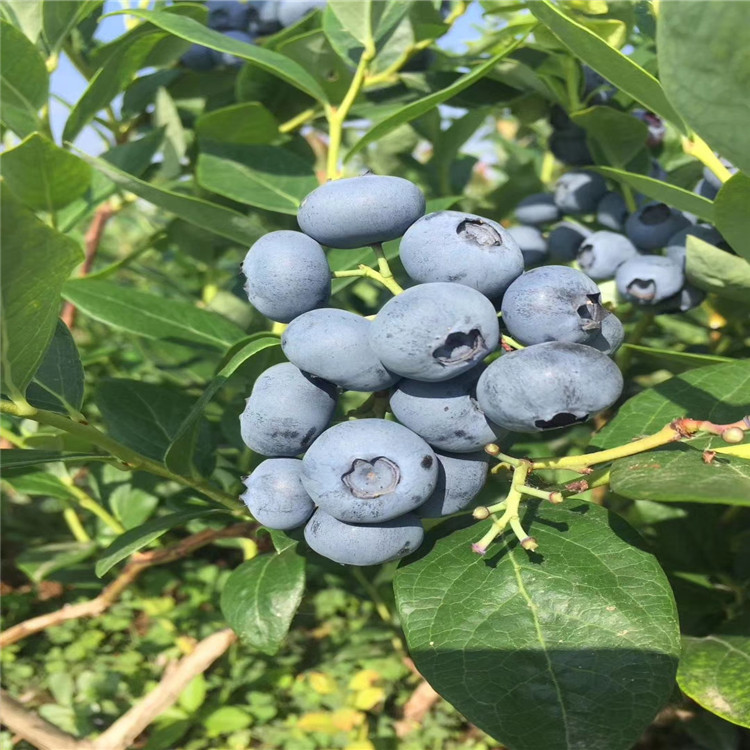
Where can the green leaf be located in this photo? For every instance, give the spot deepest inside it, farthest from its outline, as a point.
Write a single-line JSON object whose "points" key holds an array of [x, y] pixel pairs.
{"points": [[214, 218], [35, 262], [39, 562], [132, 506], [167, 117], [618, 135], [58, 383], [265, 176], [144, 416], [24, 81], [261, 596], [60, 17], [713, 671], [617, 68], [657, 190], [575, 646], [659, 475], [709, 89], [40, 484], [150, 315], [355, 18], [720, 393], [44, 176], [732, 216], [226, 720], [417, 109], [194, 694], [179, 455], [717, 271], [134, 539], [677, 359], [247, 123], [108, 82], [25, 16], [21, 458], [192, 31]]}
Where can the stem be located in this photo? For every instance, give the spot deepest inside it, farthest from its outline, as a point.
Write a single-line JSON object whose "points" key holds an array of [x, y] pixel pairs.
{"points": [[298, 120], [365, 272], [698, 148], [134, 460], [677, 430], [12, 438], [639, 331], [337, 115], [629, 196], [509, 343], [86, 501], [372, 592], [75, 526]]}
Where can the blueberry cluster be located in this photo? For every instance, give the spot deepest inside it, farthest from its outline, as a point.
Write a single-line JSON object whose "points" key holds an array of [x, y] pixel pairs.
{"points": [[454, 381], [643, 251], [245, 22]]}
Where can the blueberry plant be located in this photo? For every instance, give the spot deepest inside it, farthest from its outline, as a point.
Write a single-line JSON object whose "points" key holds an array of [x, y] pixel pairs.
{"points": [[302, 314]]}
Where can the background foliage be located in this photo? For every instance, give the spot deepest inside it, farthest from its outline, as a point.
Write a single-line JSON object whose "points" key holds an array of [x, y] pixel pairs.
{"points": [[129, 348]]}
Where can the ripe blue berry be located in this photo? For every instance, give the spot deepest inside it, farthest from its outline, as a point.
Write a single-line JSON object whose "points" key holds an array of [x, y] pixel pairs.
{"points": [[651, 226], [446, 414], [677, 243], [463, 248], [705, 189], [460, 480], [686, 299], [224, 16], [363, 544], [649, 279], [601, 254], [200, 59], [612, 211], [435, 331], [555, 303], [232, 61], [579, 192], [539, 208], [275, 496], [359, 211], [548, 386], [335, 345], [286, 411], [369, 470], [532, 243], [287, 274], [565, 239], [291, 12]]}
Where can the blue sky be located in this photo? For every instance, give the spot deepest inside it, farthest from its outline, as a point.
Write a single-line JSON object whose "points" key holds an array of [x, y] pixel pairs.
{"points": [[68, 84]]}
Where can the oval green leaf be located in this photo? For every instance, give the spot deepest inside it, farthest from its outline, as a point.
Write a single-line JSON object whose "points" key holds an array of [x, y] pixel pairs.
{"points": [[572, 647], [732, 215]]}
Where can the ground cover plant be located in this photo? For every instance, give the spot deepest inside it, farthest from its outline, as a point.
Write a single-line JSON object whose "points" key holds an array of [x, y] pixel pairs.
{"points": [[368, 389]]}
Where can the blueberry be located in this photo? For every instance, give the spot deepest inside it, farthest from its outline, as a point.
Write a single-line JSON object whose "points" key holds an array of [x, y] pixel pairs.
{"points": [[705, 189], [539, 208], [446, 414], [677, 243], [287, 274], [649, 279], [686, 299], [579, 192], [570, 147], [363, 544], [359, 211], [435, 331], [225, 16], [657, 172], [554, 303], [369, 470], [266, 20], [651, 226], [275, 496], [335, 345], [532, 243], [601, 254], [201, 59], [656, 127], [548, 386], [232, 61], [286, 411], [596, 88], [612, 211], [712, 179], [462, 248], [565, 239], [460, 480], [291, 12]]}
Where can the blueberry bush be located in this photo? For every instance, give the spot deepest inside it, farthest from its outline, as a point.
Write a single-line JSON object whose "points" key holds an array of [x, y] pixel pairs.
{"points": [[368, 388]]}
